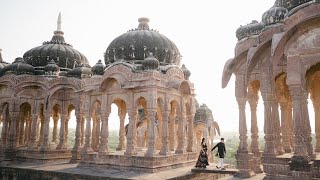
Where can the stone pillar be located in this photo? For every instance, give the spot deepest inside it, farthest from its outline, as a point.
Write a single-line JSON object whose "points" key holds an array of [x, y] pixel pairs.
{"points": [[299, 164], [121, 144], [285, 127], [151, 132], [66, 133], [307, 135], [269, 149], [13, 124], [94, 137], [190, 132], [316, 106], [255, 136], [77, 145], [55, 129], [290, 121], [62, 140], [22, 122], [98, 131], [5, 125], [131, 135], [40, 135], [243, 157], [87, 146], [27, 130], [45, 142], [172, 131], [181, 133], [33, 134], [277, 130], [164, 145], [82, 131], [104, 134]]}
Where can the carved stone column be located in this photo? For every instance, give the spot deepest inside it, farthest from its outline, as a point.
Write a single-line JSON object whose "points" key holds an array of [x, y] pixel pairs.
{"points": [[300, 160], [33, 135], [5, 126], [13, 124], [307, 135], [62, 140], [190, 132], [269, 149], [316, 106], [285, 127], [77, 145], [94, 137], [103, 148], [27, 129], [22, 122], [172, 131], [87, 147], [121, 144], [82, 131], [66, 133], [131, 150], [98, 131], [151, 132], [181, 133], [55, 129], [244, 159], [290, 121], [40, 135], [277, 130], [45, 141], [165, 148], [255, 136]]}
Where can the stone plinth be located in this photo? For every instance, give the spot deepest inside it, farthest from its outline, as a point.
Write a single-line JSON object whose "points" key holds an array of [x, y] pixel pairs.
{"points": [[138, 162], [244, 163], [277, 167], [44, 156]]}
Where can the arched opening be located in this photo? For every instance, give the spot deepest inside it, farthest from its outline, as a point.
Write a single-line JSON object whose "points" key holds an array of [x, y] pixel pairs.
{"points": [[5, 123], [173, 125], [313, 87]]}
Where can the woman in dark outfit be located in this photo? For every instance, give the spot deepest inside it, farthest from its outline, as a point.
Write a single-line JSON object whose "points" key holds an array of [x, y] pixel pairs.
{"points": [[221, 153], [203, 156]]}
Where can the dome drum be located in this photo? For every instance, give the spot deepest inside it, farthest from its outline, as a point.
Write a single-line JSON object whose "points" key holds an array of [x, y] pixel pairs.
{"points": [[254, 28]]}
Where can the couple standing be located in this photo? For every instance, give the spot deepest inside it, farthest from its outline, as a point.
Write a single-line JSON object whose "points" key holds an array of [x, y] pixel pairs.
{"points": [[203, 156]]}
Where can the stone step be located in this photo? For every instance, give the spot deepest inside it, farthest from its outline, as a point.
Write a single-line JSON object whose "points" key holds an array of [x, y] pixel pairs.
{"points": [[215, 170]]}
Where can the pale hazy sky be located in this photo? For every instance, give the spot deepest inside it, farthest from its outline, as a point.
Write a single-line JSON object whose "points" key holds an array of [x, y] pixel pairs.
{"points": [[203, 30]]}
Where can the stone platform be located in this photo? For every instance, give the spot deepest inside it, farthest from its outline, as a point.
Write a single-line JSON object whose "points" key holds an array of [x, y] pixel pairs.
{"points": [[44, 156], [63, 171], [139, 162]]}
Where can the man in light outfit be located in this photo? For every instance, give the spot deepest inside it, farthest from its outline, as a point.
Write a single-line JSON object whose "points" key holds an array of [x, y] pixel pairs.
{"points": [[221, 153]]}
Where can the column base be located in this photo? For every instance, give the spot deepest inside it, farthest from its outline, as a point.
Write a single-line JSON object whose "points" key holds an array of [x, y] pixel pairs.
{"points": [[180, 151], [300, 163], [130, 153], [121, 147], [62, 146], [75, 156], [150, 153], [164, 151], [244, 164]]}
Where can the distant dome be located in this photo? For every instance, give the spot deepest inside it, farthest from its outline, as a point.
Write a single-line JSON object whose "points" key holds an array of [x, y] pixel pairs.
{"points": [[136, 44], [98, 68], [64, 54], [290, 4], [254, 28], [203, 114], [18, 67], [81, 71], [274, 15]]}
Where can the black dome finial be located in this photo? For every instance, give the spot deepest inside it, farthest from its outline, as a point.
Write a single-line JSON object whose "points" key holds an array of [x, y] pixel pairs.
{"points": [[143, 23]]}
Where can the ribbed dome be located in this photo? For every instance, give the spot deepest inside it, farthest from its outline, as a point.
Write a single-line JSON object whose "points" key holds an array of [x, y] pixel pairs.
{"points": [[254, 28], [138, 43], [290, 4], [18, 67], [274, 15], [63, 53], [203, 114]]}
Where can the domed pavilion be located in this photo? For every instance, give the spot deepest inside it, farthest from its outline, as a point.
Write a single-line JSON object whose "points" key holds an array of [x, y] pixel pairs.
{"points": [[142, 71], [278, 58]]}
